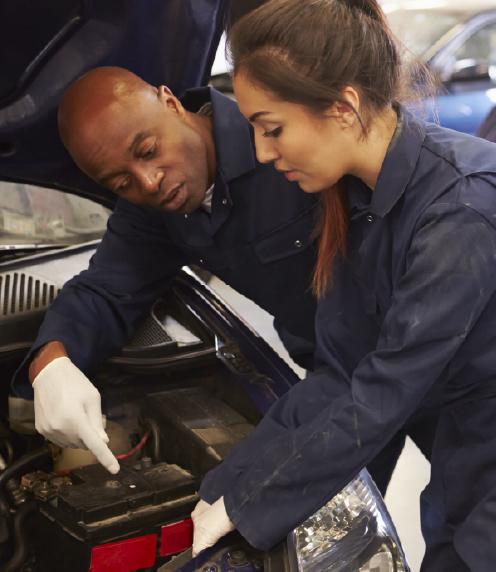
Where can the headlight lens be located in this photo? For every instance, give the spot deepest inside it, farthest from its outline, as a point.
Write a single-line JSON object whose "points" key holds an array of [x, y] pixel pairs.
{"points": [[352, 532]]}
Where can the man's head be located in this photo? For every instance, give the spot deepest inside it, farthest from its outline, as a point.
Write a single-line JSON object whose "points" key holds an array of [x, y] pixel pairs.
{"points": [[137, 140]]}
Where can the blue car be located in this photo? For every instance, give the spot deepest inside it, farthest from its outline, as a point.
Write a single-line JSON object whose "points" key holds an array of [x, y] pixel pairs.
{"points": [[192, 381], [457, 40]]}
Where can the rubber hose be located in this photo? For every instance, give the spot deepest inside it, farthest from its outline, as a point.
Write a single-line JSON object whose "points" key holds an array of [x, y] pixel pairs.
{"points": [[21, 551], [25, 463]]}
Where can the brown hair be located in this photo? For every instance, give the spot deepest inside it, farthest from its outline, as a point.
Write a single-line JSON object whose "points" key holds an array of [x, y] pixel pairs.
{"points": [[306, 52]]}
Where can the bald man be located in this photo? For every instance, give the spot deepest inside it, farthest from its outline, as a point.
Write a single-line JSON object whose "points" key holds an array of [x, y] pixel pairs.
{"points": [[190, 191], [138, 141]]}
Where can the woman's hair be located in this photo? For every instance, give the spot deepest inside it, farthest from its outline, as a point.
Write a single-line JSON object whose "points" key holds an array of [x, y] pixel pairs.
{"points": [[306, 52]]}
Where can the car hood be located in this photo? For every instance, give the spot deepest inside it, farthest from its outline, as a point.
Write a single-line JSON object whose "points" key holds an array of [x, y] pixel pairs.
{"points": [[45, 46]]}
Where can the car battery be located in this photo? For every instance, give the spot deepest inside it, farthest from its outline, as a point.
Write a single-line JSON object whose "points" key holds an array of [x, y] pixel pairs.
{"points": [[194, 428], [97, 522]]}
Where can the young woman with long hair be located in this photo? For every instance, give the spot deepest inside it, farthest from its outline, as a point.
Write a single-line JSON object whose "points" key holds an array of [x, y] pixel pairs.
{"points": [[405, 277]]}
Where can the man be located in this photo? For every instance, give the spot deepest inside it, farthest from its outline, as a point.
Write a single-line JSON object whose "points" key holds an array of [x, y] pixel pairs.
{"points": [[190, 192]]}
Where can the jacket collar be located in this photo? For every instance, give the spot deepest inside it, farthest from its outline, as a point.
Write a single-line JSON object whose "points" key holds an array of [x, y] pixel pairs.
{"points": [[399, 164], [235, 154]]}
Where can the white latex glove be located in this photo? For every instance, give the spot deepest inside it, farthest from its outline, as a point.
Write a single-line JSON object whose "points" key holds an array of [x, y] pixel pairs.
{"points": [[201, 506], [211, 523], [67, 410]]}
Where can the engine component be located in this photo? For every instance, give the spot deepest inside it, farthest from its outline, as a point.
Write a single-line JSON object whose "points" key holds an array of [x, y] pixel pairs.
{"points": [[196, 429], [25, 463], [100, 506], [138, 515], [69, 458], [43, 486], [16, 493], [21, 550]]}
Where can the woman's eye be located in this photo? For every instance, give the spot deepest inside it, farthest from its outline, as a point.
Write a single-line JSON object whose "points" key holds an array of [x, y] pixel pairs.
{"points": [[273, 132]]}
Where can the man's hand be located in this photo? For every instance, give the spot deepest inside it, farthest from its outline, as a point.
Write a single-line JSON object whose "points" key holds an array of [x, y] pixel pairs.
{"points": [[211, 523], [67, 409]]}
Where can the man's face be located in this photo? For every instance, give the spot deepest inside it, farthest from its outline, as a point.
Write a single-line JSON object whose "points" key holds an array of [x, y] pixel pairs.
{"points": [[145, 149]]}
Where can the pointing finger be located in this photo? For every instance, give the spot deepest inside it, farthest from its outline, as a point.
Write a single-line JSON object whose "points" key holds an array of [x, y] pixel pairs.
{"points": [[91, 438]]}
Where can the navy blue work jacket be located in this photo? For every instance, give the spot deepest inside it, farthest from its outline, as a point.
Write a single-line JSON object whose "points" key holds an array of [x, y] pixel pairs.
{"points": [[258, 239], [409, 319]]}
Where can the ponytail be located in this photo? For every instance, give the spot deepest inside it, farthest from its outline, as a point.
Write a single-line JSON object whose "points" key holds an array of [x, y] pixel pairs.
{"points": [[332, 232]]}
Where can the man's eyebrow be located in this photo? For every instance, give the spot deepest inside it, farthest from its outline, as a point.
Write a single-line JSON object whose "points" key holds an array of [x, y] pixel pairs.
{"points": [[256, 115], [138, 138]]}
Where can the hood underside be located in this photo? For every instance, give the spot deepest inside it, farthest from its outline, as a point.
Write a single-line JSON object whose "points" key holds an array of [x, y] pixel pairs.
{"points": [[44, 47]]}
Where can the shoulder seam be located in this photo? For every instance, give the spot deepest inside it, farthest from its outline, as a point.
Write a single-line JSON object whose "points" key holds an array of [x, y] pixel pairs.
{"points": [[455, 167], [458, 205]]}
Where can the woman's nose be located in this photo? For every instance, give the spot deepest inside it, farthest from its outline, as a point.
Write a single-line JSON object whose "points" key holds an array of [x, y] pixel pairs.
{"points": [[266, 152]]}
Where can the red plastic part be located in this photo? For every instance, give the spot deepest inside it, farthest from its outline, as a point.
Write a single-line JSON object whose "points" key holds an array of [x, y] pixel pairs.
{"points": [[125, 555], [176, 537]]}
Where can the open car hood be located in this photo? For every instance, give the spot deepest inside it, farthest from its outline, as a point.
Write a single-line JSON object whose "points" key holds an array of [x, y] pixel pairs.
{"points": [[45, 46]]}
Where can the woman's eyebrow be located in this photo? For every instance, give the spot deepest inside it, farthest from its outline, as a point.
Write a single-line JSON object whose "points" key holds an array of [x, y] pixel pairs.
{"points": [[256, 115]]}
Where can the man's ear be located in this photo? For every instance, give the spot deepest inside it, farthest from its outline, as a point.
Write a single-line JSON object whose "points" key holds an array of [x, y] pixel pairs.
{"points": [[169, 100], [164, 90], [345, 111]]}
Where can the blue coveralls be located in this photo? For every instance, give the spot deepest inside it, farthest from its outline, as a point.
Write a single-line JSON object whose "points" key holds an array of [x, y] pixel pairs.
{"points": [[258, 239], [408, 322]]}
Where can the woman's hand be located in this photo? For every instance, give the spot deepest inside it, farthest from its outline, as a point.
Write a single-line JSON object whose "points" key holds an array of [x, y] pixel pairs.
{"points": [[211, 523]]}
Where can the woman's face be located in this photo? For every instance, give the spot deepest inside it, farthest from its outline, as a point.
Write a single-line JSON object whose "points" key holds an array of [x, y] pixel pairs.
{"points": [[315, 151]]}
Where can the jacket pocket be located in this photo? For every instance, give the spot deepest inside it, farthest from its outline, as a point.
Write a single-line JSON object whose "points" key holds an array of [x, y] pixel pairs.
{"points": [[289, 239]]}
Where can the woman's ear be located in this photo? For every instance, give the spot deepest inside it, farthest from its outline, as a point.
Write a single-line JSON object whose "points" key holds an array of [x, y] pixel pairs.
{"points": [[345, 111]]}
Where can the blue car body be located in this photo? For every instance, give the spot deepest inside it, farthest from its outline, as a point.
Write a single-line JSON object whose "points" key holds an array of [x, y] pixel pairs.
{"points": [[457, 45]]}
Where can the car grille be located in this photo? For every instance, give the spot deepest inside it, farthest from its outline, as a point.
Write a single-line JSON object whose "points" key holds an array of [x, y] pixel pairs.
{"points": [[150, 334], [20, 292]]}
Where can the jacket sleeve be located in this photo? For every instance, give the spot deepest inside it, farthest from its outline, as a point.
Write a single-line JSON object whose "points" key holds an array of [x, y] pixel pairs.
{"points": [[300, 349], [325, 429], [97, 311]]}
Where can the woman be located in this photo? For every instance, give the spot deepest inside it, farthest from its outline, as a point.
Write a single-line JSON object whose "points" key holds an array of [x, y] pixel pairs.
{"points": [[405, 275]]}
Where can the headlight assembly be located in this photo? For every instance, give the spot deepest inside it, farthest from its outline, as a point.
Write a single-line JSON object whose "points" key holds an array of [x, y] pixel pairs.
{"points": [[353, 532]]}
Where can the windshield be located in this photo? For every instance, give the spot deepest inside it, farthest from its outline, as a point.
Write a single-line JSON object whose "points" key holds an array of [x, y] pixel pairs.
{"points": [[31, 215], [418, 30]]}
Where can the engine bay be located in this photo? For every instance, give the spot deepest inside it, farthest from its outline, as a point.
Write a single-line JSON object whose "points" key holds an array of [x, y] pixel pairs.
{"points": [[175, 403]]}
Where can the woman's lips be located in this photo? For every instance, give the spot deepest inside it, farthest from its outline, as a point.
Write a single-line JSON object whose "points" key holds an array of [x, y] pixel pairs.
{"points": [[291, 175]]}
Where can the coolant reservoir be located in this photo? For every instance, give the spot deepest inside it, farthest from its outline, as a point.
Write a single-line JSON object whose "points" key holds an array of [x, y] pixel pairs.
{"points": [[69, 459]]}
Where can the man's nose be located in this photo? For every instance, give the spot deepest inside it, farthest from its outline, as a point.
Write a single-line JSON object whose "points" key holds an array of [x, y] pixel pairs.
{"points": [[266, 152], [148, 179]]}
